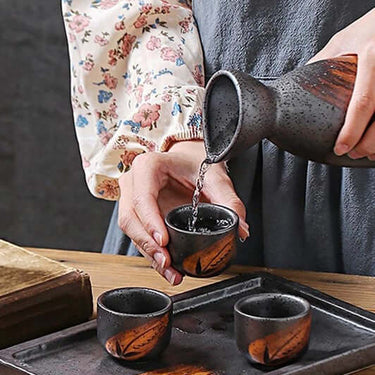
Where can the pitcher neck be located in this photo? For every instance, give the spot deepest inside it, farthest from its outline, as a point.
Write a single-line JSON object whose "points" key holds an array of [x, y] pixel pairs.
{"points": [[239, 111]]}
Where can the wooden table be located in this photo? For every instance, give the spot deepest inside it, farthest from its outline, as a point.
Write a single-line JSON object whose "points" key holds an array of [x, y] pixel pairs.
{"points": [[113, 271]]}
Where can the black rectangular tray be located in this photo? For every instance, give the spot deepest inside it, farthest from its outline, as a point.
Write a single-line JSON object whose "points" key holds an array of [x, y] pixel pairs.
{"points": [[342, 337]]}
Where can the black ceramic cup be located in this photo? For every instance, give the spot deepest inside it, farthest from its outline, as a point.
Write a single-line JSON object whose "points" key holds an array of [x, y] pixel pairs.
{"points": [[207, 250], [134, 323], [272, 329]]}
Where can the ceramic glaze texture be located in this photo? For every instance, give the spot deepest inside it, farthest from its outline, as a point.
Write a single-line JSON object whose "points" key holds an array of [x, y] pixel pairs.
{"points": [[232, 99], [134, 323], [302, 112], [272, 328], [202, 254]]}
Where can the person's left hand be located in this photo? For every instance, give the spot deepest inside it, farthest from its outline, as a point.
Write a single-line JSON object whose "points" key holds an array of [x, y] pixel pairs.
{"points": [[160, 181], [355, 138]]}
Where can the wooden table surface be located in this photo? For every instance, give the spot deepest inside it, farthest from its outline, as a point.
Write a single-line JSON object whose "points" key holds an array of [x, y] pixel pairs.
{"points": [[113, 271]]}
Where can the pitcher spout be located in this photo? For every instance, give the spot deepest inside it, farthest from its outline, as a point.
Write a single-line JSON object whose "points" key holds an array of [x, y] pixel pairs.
{"points": [[239, 111]]}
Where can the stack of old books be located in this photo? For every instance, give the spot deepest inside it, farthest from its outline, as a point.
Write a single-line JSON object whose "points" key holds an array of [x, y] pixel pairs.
{"points": [[39, 295]]}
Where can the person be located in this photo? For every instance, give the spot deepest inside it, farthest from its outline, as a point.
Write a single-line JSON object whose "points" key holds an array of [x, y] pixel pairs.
{"points": [[138, 71]]}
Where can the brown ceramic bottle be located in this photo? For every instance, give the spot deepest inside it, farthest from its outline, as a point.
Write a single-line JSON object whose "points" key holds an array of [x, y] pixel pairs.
{"points": [[302, 112]]}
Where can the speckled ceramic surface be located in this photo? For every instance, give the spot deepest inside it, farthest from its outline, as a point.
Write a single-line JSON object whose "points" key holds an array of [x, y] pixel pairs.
{"points": [[134, 324], [272, 328], [202, 254], [342, 338], [302, 112]]}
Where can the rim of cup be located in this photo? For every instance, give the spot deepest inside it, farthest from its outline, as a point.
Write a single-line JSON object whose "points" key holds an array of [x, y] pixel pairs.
{"points": [[263, 296], [136, 289], [228, 210]]}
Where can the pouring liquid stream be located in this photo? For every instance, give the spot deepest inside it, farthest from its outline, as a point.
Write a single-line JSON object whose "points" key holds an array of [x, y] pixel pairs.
{"points": [[204, 225], [197, 192]]}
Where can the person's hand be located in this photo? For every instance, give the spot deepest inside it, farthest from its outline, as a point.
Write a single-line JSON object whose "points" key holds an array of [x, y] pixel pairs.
{"points": [[355, 138], [156, 183]]}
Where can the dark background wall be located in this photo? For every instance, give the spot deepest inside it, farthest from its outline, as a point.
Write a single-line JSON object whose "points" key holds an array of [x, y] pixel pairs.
{"points": [[44, 201]]}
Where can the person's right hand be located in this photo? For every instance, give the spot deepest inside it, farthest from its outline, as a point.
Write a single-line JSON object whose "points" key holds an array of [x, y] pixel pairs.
{"points": [[357, 135], [156, 183]]}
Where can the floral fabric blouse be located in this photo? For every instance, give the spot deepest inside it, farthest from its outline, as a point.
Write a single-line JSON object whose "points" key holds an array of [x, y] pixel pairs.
{"points": [[137, 82]]}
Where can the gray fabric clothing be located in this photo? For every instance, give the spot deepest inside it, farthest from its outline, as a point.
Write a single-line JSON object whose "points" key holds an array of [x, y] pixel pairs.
{"points": [[115, 241], [302, 214]]}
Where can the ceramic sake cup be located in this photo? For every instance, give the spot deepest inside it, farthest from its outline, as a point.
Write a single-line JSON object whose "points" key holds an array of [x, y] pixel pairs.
{"points": [[208, 251], [272, 329], [134, 324]]}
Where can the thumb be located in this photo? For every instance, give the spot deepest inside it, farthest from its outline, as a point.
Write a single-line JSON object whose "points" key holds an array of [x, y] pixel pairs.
{"points": [[219, 189]]}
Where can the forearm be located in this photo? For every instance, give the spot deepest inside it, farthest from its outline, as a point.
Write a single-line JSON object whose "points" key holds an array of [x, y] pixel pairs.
{"points": [[136, 83]]}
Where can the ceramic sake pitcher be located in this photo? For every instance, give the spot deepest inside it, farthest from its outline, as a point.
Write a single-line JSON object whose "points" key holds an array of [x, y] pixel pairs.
{"points": [[302, 112]]}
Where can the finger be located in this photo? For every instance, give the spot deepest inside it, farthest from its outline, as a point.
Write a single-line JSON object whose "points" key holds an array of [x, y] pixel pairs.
{"points": [[170, 274], [219, 189], [173, 276], [131, 225], [133, 228], [148, 179], [366, 145], [371, 157], [361, 106]]}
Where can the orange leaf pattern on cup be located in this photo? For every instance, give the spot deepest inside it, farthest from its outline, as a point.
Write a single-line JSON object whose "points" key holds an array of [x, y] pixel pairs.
{"points": [[281, 345], [137, 342], [211, 260], [181, 370]]}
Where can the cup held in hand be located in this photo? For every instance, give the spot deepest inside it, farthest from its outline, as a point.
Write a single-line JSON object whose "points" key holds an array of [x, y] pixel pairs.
{"points": [[207, 249]]}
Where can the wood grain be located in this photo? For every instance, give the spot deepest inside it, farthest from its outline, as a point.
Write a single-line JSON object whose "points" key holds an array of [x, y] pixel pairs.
{"points": [[113, 271]]}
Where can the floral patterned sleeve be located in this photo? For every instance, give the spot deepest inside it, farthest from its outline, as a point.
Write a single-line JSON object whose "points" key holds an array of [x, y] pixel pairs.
{"points": [[136, 82]]}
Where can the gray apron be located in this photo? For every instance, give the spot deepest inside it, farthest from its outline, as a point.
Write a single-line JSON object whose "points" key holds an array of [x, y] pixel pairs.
{"points": [[302, 215]]}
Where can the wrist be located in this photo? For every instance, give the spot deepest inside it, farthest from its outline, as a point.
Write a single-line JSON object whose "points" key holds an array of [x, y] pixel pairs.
{"points": [[188, 147]]}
